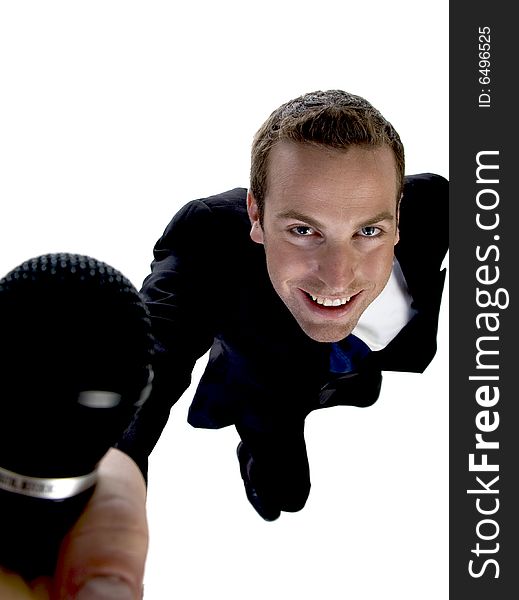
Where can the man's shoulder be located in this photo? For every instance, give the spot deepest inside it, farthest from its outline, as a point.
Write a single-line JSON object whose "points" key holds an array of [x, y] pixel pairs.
{"points": [[230, 200], [225, 205], [424, 231], [425, 194], [227, 209], [425, 181], [215, 224]]}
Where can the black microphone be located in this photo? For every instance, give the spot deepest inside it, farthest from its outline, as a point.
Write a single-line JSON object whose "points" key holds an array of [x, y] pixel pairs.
{"points": [[75, 366]]}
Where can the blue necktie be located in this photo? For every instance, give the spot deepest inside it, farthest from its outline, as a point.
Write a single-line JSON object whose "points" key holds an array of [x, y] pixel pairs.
{"points": [[346, 355]]}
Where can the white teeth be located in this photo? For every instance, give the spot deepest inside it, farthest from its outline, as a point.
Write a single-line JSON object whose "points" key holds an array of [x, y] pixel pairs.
{"points": [[330, 301]]}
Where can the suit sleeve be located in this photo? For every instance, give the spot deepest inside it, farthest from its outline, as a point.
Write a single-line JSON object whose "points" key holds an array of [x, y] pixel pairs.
{"points": [[178, 294]]}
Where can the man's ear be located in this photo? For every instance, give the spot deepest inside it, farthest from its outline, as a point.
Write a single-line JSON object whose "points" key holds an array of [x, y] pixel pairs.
{"points": [[256, 232]]}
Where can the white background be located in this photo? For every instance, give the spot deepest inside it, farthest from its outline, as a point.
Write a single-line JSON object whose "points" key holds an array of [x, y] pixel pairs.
{"points": [[112, 116]]}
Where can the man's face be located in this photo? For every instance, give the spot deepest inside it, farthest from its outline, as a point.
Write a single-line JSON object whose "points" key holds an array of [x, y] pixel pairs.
{"points": [[329, 229]]}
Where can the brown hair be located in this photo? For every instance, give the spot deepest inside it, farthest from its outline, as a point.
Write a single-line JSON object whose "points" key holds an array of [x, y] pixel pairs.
{"points": [[333, 118]]}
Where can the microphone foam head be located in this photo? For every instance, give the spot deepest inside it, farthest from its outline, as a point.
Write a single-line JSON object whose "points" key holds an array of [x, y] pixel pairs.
{"points": [[76, 361]]}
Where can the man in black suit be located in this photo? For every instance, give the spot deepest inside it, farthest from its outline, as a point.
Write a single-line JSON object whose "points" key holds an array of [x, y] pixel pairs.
{"points": [[304, 288]]}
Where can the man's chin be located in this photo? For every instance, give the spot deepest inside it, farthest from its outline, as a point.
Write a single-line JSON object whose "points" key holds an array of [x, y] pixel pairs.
{"points": [[325, 333]]}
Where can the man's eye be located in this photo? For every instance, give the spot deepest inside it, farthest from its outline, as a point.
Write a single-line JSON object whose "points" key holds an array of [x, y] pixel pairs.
{"points": [[303, 230], [370, 231]]}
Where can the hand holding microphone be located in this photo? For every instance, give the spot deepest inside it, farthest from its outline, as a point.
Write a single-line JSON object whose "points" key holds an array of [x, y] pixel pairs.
{"points": [[75, 367], [104, 554]]}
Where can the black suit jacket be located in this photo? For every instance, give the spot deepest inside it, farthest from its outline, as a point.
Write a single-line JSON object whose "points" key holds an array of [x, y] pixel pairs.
{"points": [[209, 289]]}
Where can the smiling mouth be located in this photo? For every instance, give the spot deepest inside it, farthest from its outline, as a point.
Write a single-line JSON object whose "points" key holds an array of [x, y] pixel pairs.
{"points": [[328, 302]]}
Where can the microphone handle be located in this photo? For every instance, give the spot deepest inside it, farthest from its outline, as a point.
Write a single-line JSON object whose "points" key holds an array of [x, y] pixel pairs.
{"points": [[32, 533]]}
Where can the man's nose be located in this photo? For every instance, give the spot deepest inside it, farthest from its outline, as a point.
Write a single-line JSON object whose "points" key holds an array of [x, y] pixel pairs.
{"points": [[337, 265]]}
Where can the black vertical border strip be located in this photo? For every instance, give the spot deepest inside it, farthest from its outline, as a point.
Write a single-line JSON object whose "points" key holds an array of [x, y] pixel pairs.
{"points": [[483, 123]]}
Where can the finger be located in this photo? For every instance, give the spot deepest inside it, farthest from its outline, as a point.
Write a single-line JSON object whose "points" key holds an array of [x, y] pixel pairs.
{"points": [[107, 547], [41, 588], [13, 587]]}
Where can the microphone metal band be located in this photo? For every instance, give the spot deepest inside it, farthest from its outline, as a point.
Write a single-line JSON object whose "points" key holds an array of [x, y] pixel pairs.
{"points": [[46, 489]]}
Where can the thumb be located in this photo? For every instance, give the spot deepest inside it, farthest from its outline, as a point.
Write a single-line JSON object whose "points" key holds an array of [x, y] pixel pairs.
{"points": [[104, 554]]}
